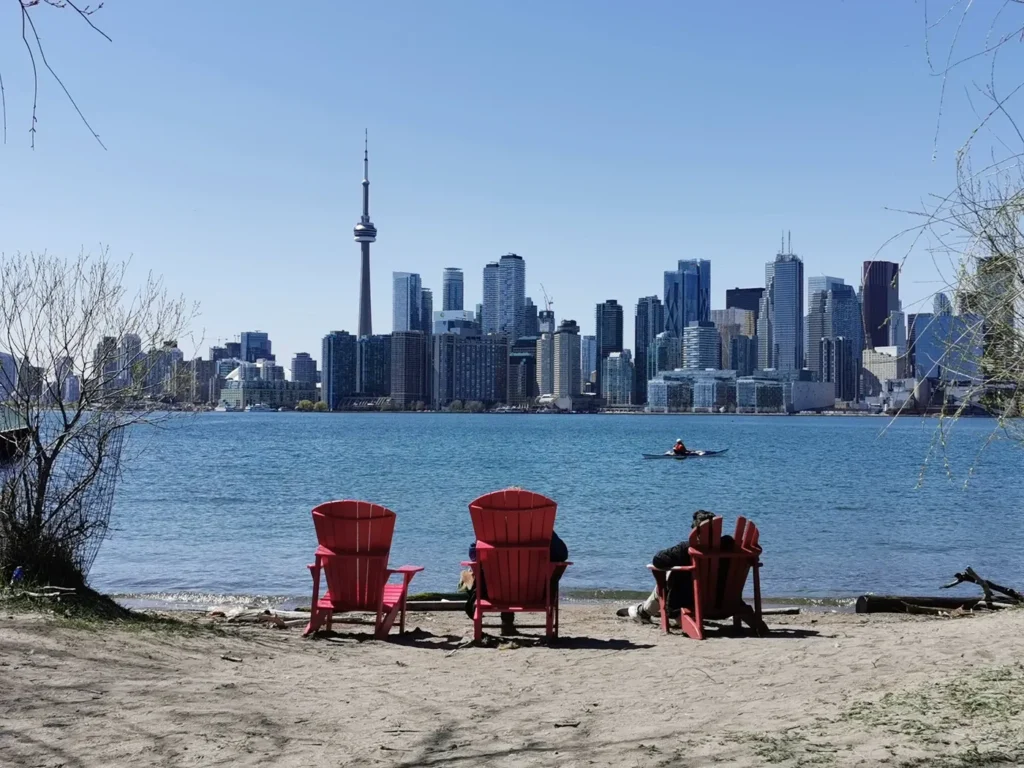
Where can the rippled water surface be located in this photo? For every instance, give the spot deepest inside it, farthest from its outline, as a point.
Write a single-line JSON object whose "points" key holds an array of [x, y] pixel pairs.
{"points": [[220, 503]]}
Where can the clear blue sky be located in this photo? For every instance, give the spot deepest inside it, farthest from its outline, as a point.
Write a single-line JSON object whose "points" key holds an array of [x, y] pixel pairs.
{"points": [[602, 141]]}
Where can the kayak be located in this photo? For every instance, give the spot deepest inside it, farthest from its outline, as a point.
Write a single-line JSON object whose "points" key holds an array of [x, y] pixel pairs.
{"points": [[690, 455]]}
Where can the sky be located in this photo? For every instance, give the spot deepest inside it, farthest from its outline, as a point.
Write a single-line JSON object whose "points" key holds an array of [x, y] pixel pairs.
{"points": [[601, 141]]}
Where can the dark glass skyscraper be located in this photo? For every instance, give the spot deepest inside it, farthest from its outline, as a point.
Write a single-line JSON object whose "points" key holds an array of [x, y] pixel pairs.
{"points": [[409, 366], [687, 295], [452, 289], [608, 321], [338, 375], [745, 298], [881, 286], [650, 321]]}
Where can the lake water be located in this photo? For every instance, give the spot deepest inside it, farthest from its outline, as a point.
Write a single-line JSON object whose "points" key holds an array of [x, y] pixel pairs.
{"points": [[220, 503]]}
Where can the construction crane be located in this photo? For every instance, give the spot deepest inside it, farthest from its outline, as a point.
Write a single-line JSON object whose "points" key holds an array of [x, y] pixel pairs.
{"points": [[548, 301]]}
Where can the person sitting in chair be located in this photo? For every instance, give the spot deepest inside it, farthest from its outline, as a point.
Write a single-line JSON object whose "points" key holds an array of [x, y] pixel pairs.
{"points": [[680, 583], [559, 554]]}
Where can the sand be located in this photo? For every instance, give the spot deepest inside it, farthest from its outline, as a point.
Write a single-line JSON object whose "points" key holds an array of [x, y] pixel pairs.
{"points": [[822, 690]]}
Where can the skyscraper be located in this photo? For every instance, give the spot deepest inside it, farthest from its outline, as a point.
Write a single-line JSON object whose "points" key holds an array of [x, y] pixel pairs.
{"points": [[588, 355], [818, 288], [511, 294], [735, 325], [701, 346], [745, 298], [545, 364], [492, 292], [822, 283], [409, 366], [608, 323], [374, 366], [338, 357], [650, 321], [617, 375], [531, 320], [546, 321], [782, 345], [687, 295], [304, 368], [426, 323], [834, 338], [365, 233], [406, 302], [452, 289], [567, 360], [255, 346], [941, 305], [522, 372], [881, 284]]}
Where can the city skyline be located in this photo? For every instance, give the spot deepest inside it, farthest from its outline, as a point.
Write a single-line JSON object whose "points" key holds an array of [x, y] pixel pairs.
{"points": [[227, 196]]}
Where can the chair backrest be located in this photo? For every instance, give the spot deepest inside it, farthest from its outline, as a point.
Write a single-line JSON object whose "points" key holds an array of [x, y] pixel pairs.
{"points": [[358, 536], [722, 579], [518, 525]]}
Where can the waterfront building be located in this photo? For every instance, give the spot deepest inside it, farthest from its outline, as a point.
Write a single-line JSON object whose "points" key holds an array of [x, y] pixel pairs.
{"points": [[364, 234], [742, 356], [745, 298], [374, 370], [339, 355], [650, 321], [669, 392], [522, 372], [700, 346], [165, 376], [732, 324], [410, 362], [608, 322], [545, 353], [469, 368], [406, 301], [31, 381], [818, 288], [304, 368], [881, 364], [511, 295], [269, 370], [617, 377], [491, 308], [104, 365], [204, 383], [456, 321], [687, 295], [452, 290], [255, 345], [239, 393], [566, 348], [664, 354], [531, 320], [781, 325], [840, 365], [782, 392], [881, 297], [947, 349], [426, 311], [129, 357]]}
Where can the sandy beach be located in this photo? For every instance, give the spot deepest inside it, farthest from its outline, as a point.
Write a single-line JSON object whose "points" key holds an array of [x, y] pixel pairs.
{"points": [[827, 689]]}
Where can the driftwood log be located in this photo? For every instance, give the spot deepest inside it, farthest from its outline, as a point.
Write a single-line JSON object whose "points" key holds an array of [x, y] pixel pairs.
{"points": [[994, 597]]}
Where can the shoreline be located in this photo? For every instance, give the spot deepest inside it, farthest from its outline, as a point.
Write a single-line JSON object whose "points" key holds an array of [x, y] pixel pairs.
{"points": [[204, 602]]}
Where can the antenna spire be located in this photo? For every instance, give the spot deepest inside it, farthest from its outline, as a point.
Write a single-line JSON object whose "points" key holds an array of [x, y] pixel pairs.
{"points": [[789, 246]]}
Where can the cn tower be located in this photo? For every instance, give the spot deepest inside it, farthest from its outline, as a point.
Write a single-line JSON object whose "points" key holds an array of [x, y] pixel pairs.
{"points": [[365, 233]]}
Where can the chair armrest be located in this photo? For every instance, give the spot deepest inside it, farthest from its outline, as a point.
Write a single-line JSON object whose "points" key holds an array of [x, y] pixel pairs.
{"points": [[469, 563], [406, 569], [670, 570], [696, 553]]}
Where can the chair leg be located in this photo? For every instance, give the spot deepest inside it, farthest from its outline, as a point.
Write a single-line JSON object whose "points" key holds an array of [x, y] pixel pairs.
{"points": [[315, 620], [330, 618], [478, 624]]}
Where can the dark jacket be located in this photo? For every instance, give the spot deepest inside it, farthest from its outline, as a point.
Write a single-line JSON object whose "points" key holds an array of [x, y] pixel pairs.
{"points": [[680, 583]]}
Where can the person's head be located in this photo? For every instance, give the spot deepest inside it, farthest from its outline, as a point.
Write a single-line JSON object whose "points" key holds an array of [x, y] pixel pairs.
{"points": [[679, 441], [702, 516]]}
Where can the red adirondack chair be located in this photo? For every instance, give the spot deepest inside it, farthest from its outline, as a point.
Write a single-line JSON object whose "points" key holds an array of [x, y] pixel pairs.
{"points": [[718, 579], [355, 543], [513, 549]]}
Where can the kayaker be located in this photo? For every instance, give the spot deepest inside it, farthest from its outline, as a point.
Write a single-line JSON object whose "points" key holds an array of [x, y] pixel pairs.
{"points": [[679, 449]]}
